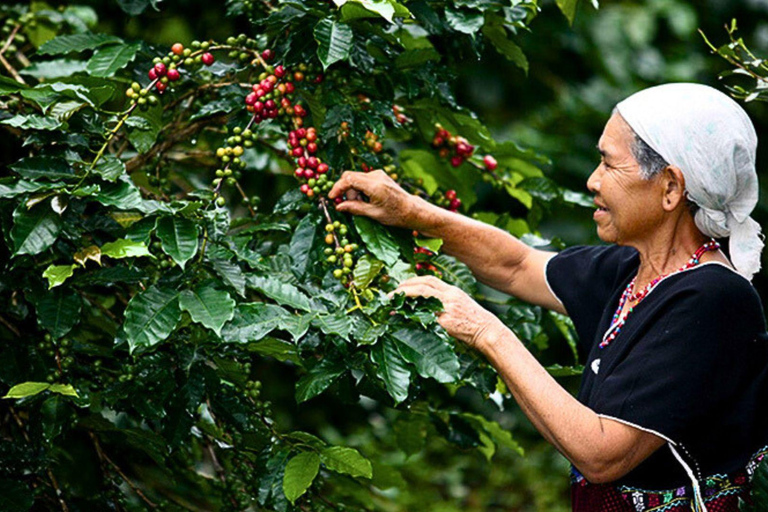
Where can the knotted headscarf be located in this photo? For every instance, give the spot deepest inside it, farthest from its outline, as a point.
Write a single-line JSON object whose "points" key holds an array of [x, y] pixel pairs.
{"points": [[710, 138]]}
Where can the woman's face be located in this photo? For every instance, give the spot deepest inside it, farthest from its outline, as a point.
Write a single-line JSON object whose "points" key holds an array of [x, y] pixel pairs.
{"points": [[629, 207]]}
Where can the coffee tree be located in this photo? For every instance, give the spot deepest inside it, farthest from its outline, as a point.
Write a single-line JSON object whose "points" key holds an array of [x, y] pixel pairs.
{"points": [[158, 300]]}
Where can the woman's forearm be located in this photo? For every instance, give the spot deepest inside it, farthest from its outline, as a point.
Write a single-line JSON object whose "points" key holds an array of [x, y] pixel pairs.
{"points": [[493, 255], [601, 449]]}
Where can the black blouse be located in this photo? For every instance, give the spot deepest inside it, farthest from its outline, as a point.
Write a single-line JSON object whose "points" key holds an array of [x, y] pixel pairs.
{"points": [[690, 364]]}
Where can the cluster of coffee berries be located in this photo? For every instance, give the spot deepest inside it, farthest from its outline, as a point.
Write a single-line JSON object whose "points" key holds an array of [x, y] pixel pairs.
{"points": [[400, 117], [423, 265], [453, 146], [166, 70], [343, 131], [448, 200], [60, 352], [340, 250], [141, 96], [310, 170], [372, 142], [269, 97], [231, 163]]}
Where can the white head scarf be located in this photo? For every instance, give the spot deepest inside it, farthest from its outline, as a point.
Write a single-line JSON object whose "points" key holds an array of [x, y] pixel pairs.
{"points": [[710, 138]]}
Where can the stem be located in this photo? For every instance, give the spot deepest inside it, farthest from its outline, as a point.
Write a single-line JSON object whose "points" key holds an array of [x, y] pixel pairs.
{"points": [[104, 457], [10, 326], [10, 39], [11, 70]]}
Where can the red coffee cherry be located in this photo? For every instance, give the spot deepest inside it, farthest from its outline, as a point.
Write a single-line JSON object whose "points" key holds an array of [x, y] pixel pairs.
{"points": [[490, 162], [207, 58]]}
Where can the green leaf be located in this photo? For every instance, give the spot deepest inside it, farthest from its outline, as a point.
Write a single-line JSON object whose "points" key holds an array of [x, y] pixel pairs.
{"points": [[300, 247], [58, 68], [280, 291], [355, 9], [251, 322], [557, 370], [411, 433], [151, 316], [63, 389], [318, 379], [49, 168], [495, 32], [337, 323], [377, 240], [10, 86], [466, 22], [455, 273], [347, 461], [416, 57], [15, 496], [280, 350], [58, 311], [110, 168], [568, 8], [760, 486], [432, 356], [107, 60], [57, 274], [433, 244], [334, 40], [366, 269], [392, 369], [34, 231], [15, 187], [499, 434], [300, 472], [76, 43], [231, 274], [123, 248], [179, 238], [208, 306], [26, 389], [33, 122]]}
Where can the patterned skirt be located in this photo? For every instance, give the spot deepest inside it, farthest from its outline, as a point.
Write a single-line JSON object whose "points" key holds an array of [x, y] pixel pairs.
{"points": [[720, 493]]}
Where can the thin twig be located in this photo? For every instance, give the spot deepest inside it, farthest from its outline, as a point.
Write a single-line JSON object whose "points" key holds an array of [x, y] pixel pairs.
{"points": [[10, 327], [11, 70], [10, 39], [103, 456]]}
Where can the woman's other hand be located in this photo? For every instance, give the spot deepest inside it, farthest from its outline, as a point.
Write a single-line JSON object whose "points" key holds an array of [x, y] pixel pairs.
{"points": [[462, 317], [377, 196]]}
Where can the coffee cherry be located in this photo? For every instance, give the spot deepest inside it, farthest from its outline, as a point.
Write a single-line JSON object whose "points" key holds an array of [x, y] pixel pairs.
{"points": [[490, 162], [220, 201], [177, 48], [152, 74], [160, 69], [207, 58], [173, 74]]}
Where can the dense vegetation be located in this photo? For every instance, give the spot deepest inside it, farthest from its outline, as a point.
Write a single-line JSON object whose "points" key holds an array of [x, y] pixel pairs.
{"points": [[187, 323]]}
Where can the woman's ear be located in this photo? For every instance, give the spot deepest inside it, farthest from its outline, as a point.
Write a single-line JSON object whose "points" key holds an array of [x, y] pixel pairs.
{"points": [[673, 186]]}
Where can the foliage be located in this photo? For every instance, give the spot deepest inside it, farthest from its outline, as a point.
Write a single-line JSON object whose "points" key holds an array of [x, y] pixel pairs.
{"points": [[157, 298]]}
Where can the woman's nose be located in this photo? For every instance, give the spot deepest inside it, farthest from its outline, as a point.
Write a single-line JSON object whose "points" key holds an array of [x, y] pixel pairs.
{"points": [[593, 182]]}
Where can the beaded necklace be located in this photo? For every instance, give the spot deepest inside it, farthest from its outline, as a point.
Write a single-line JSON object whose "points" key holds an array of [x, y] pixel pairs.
{"points": [[618, 321]]}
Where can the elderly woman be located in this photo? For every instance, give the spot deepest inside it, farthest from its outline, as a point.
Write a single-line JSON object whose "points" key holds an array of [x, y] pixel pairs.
{"points": [[670, 414]]}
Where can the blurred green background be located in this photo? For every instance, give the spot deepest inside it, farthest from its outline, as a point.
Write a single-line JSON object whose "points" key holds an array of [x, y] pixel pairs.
{"points": [[577, 74]]}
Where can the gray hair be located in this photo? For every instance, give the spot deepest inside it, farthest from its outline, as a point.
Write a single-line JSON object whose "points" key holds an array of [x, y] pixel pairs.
{"points": [[651, 163]]}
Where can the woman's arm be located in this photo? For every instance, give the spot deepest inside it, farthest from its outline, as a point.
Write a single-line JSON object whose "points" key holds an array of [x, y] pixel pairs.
{"points": [[602, 449], [494, 256]]}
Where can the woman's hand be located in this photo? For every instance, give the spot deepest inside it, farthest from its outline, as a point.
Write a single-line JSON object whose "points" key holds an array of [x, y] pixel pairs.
{"points": [[386, 202], [462, 317]]}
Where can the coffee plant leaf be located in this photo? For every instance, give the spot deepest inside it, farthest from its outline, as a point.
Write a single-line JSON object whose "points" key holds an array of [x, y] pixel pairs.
{"points": [[464, 21], [124, 248], [26, 389], [283, 293], [15, 496], [300, 472], [366, 269], [57, 274], [179, 238], [568, 8], [456, 273], [392, 369], [208, 306], [61, 45], [151, 316], [58, 311], [760, 486], [252, 322], [106, 60], [432, 356], [377, 240], [347, 461], [334, 41], [495, 31], [318, 378]]}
